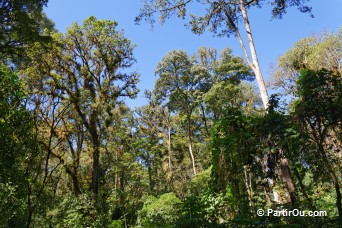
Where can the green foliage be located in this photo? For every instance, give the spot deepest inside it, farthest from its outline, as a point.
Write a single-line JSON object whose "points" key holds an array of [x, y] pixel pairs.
{"points": [[196, 89], [117, 224], [320, 97], [200, 183], [221, 19], [82, 135], [160, 212], [17, 147], [21, 24], [224, 94], [313, 53], [207, 209], [318, 110], [83, 75], [75, 211], [228, 141]]}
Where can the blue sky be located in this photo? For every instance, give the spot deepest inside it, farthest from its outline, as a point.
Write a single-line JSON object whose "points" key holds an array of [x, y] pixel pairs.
{"points": [[272, 37]]}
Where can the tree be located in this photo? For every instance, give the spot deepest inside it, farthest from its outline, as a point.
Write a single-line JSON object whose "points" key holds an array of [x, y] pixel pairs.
{"points": [[21, 23], [18, 151], [222, 18], [148, 146], [219, 82], [192, 86], [314, 53], [176, 85], [87, 68], [319, 109]]}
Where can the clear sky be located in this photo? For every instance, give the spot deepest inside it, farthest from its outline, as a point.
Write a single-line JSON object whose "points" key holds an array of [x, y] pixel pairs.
{"points": [[272, 37]]}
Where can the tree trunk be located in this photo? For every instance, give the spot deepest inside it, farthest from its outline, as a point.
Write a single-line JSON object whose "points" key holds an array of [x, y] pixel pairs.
{"points": [[255, 66], [288, 180], [338, 191], [95, 171], [29, 206], [116, 177], [74, 178], [248, 187], [96, 152], [149, 172], [190, 146], [205, 121], [268, 181], [169, 148], [192, 157], [333, 177], [338, 198]]}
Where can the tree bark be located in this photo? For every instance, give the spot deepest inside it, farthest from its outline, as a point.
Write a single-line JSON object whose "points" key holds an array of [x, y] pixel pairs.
{"points": [[169, 148], [255, 66], [205, 120], [95, 155], [190, 145], [74, 178], [288, 180], [335, 182], [95, 171], [93, 118]]}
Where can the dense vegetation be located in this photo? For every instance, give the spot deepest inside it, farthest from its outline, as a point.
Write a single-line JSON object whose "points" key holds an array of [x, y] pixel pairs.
{"points": [[203, 151]]}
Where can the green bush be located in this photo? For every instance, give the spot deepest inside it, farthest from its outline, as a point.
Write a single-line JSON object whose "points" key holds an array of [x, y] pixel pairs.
{"points": [[163, 211], [74, 211], [200, 183], [205, 210]]}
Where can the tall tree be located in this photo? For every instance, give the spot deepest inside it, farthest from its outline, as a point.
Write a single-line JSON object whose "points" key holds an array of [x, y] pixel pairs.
{"points": [[318, 110], [188, 86], [219, 81], [222, 18], [88, 67], [176, 85]]}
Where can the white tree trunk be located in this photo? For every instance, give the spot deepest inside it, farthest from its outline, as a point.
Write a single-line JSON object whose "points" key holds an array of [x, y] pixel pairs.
{"points": [[255, 66], [192, 157]]}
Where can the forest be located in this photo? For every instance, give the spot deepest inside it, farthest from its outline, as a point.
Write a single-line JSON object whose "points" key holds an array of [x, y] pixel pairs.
{"points": [[215, 145]]}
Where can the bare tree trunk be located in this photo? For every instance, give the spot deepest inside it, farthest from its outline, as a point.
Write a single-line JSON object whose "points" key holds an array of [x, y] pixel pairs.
{"points": [[190, 146], [255, 66], [169, 147], [288, 180], [192, 156]]}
